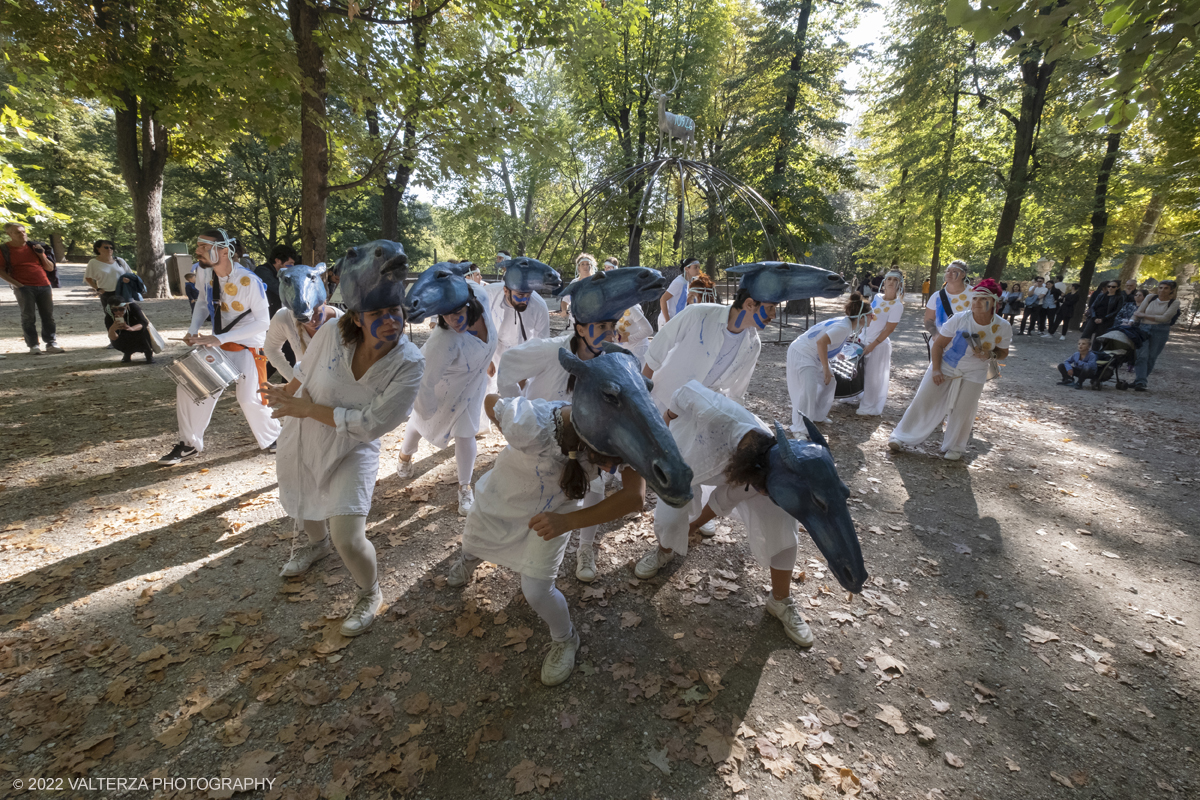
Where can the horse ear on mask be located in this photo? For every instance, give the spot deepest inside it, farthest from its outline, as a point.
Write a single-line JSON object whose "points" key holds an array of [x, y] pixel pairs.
{"points": [[570, 362], [814, 435], [319, 269]]}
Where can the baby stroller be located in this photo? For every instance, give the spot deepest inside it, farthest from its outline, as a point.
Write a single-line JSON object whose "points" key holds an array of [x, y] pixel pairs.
{"points": [[1114, 349]]}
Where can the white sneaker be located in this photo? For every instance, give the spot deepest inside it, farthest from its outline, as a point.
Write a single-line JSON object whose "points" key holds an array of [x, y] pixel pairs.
{"points": [[460, 573], [1064, 336], [651, 563], [895, 446], [793, 624], [585, 563], [1045, 336], [54, 348], [363, 614], [953, 455], [708, 529], [304, 557], [560, 661], [35, 351], [466, 499], [404, 469]]}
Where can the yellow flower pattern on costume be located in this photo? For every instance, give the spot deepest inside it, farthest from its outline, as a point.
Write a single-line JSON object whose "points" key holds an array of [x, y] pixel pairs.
{"points": [[224, 307], [230, 289], [238, 306], [245, 281], [961, 302]]}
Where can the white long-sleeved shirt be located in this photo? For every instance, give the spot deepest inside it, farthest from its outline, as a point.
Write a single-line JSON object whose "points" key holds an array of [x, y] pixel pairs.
{"points": [[241, 291], [284, 329], [688, 346], [536, 362]]}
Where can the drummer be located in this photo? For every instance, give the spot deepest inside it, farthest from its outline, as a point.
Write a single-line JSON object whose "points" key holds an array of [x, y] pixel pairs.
{"points": [[236, 300], [810, 381]]}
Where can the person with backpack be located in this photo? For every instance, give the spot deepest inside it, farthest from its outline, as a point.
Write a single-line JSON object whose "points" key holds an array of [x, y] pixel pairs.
{"points": [[952, 298], [29, 268], [1155, 317], [103, 272]]}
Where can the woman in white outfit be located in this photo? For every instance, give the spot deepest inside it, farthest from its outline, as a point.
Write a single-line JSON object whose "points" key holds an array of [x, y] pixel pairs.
{"points": [[887, 307], [585, 265], [810, 381], [357, 381], [675, 298], [449, 407], [956, 375], [634, 332]]}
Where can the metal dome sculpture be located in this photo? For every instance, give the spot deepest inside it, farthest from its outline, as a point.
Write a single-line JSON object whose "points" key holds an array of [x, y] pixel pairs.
{"points": [[706, 211]]}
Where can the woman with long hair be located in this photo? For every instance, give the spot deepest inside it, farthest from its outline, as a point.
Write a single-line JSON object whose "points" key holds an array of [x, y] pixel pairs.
{"points": [[809, 379], [585, 265], [449, 406]]}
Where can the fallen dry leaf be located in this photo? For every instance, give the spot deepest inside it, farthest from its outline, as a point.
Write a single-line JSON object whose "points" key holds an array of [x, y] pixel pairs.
{"points": [[954, 760], [1012, 765], [174, 735], [630, 619], [890, 715], [925, 735], [1063, 779]]}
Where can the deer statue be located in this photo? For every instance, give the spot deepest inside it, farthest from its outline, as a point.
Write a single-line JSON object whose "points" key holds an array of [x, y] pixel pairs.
{"points": [[676, 126]]}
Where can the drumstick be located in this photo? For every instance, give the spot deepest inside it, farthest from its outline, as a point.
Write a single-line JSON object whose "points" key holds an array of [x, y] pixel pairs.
{"points": [[176, 339]]}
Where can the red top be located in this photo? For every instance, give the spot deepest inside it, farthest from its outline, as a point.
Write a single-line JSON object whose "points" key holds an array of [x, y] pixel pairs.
{"points": [[25, 266]]}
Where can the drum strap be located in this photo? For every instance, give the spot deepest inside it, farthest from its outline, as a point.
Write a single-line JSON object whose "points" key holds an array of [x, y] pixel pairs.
{"points": [[260, 360]]}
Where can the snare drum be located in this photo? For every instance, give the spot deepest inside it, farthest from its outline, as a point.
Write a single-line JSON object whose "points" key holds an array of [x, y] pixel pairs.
{"points": [[203, 372], [847, 371]]}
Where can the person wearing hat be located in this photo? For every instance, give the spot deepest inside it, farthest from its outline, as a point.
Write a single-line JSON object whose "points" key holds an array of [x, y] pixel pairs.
{"points": [[236, 301], [599, 302], [449, 404], [767, 482], [674, 299], [951, 299], [530, 500], [809, 380], [518, 312], [358, 380], [129, 331], [959, 367]]}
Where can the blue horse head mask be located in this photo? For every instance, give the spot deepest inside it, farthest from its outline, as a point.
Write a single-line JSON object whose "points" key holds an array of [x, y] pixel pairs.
{"points": [[529, 275], [803, 481], [607, 295], [372, 275], [779, 281], [612, 412], [440, 289], [302, 289]]}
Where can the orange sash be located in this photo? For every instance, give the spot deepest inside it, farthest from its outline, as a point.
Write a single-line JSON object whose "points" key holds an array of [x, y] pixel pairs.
{"points": [[260, 362]]}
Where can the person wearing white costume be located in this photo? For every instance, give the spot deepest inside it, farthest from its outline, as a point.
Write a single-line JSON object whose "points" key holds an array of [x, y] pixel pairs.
{"points": [[887, 307], [357, 381], [519, 317], [674, 300], [449, 405], [585, 266], [710, 343], [726, 445], [535, 367], [301, 291], [958, 370], [957, 298], [634, 332], [809, 379], [236, 300]]}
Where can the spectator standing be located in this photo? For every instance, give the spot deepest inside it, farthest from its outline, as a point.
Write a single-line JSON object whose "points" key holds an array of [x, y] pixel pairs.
{"points": [[1155, 316], [1050, 308], [1035, 313], [1066, 310], [129, 331], [1011, 303], [102, 273], [925, 291], [190, 289], [281, 256], [1079, 365], [28, 269], [1103, 310]]}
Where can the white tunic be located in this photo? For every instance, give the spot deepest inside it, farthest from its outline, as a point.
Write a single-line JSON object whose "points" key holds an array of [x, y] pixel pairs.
{"points": [[450, 401], [678, 300], [522, 483], [708, 429], [284, 328], [535, 318], [536, 363], [803, 352], [240, 291], [958, 302], [325, 472], [688, 346], [997, 335], [810, 395], [886, 311], [634, 332], [877, 365]]}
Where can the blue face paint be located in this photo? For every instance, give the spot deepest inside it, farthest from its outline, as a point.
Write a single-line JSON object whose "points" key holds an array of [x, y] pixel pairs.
{"points": [[457, 321], [390, 337], [760, 317], [737, 323]]}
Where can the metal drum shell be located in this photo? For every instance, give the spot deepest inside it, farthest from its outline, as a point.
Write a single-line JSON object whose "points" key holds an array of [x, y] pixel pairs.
{"points": [[203, 372]]}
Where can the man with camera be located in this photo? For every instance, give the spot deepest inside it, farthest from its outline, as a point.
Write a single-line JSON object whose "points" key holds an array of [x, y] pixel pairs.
{"points": [[27, 268]]}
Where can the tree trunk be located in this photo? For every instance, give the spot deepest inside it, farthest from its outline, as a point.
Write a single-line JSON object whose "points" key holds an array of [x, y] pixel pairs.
{"points": [[1099, 225], [900, 223], [314, 145], [142, 155], [1145, 236], [793, 94], [939, 208], [1035, 75], [60, 250]]}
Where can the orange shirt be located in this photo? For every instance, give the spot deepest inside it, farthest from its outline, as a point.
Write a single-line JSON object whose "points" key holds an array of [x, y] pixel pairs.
{"points": [[25, 266]]}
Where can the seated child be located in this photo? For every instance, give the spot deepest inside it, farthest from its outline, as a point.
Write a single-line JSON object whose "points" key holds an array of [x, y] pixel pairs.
{"points": [[1079, 365]]}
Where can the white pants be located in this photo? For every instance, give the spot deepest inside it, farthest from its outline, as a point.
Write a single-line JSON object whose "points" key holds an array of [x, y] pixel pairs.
{"points": [[877, 373], [956, 397], [193, 417], [810, 395]]}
